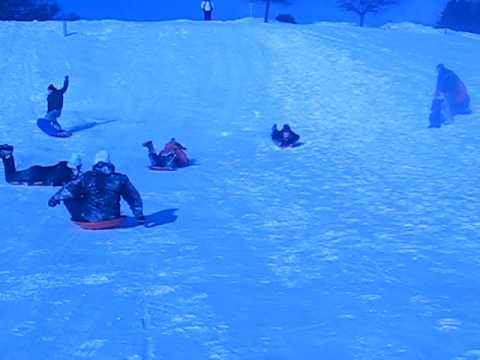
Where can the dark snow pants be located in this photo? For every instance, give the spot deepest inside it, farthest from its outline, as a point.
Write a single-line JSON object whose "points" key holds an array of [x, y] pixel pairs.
{"points": [[28, 176], [207, 15], [159, 160]]}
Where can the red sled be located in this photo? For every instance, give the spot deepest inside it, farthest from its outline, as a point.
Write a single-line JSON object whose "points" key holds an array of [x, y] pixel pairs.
{"points": [[101, 225], [161, 168]]}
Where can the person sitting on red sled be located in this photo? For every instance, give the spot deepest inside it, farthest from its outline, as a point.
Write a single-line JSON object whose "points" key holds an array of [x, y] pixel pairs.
{"points": [[95, 196], [172, 156]]}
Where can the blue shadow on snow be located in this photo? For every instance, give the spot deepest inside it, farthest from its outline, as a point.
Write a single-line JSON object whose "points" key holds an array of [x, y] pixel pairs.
{"points": [[88, 125], [158, 218]]}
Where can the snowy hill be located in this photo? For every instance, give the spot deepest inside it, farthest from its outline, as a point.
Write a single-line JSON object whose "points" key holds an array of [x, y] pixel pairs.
{"points": [[361, 244]]}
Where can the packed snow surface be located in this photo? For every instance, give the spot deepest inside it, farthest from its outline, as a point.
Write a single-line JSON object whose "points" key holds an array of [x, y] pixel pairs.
{"points": [[361, 244]]}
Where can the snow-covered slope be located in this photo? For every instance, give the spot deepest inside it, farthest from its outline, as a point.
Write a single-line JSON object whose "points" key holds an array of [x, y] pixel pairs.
{"points": [[361, 244]]}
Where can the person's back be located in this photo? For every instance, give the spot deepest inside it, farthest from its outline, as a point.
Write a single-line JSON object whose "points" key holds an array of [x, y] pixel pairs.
{"points": [[174, 147], [207, 7], [102, 189], [453, 89], [54, 175], [288, 137], [55, 96]]}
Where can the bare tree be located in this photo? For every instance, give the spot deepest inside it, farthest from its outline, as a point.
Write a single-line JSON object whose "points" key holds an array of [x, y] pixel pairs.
{"points": [[364, 7], [268, 4]]}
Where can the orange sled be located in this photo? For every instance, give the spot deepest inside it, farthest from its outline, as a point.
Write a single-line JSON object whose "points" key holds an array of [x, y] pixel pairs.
{"points": [[101, 225]]}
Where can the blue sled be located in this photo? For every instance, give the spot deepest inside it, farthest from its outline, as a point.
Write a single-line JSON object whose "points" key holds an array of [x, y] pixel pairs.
{"points": [[48, 129]]}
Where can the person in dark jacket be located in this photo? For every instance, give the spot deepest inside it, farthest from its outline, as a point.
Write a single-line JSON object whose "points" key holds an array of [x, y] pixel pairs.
{"points": [[207, 7], [285, 137], [173, 155], [453, 90], [55, 103], [55, 175], [95, 196]]}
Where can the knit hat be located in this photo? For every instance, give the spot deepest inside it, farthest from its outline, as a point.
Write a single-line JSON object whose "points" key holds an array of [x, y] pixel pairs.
{"points": [[75, 161], [51, 87], [102, 156]]}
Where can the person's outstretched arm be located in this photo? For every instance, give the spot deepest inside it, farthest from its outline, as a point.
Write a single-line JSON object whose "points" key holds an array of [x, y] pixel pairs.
{"points": [[65, 85]]}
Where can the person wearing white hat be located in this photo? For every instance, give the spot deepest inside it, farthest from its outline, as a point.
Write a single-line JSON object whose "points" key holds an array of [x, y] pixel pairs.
{"points": [[95, 196], [54, 175]]}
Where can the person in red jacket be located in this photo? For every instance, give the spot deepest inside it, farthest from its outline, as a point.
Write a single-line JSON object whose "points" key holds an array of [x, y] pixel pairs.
{"points": [[453, 91], [173, 155]]}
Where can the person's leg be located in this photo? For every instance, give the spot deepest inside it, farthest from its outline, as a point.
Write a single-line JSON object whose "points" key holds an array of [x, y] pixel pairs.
{"points": [[209, 15], [13, 176], [448, 113], [181, 158], [170, 160], [9, 166], [152, 156], [74, 207], [155, 160], [52, 117]]}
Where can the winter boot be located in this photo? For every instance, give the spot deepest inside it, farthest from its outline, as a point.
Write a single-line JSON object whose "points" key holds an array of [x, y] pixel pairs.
{"points": [[5, 150], [149, 145]]}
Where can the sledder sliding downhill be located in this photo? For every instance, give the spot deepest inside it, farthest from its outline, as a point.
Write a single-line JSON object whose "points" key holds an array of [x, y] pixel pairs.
{"points": [[49, 124], [54, 175], [93, 200], [284, 138], [172, 156]]}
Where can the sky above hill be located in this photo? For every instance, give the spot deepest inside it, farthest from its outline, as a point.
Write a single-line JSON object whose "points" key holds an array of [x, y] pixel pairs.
{"points": [[305, 11]]}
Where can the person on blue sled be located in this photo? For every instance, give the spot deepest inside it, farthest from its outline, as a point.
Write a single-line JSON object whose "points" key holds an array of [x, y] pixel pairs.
{"points": [[174, 155], [284, 137], [451, 93], [55, 103], [95, 196], [54, 175]]}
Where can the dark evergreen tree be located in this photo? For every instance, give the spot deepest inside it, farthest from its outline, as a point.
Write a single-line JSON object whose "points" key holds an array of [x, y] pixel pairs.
{"points": [[461, 15], [27, 10]]}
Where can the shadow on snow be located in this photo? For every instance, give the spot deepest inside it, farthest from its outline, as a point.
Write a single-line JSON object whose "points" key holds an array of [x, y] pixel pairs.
{"points": [[158, 218], [88, 125]]}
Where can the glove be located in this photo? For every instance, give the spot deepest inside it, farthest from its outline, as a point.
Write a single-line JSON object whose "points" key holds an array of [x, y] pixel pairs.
{"points": [[67, 77], [53, 202]]}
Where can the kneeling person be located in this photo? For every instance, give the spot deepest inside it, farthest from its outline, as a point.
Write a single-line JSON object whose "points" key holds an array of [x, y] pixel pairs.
{"points": [[454, 91]]}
